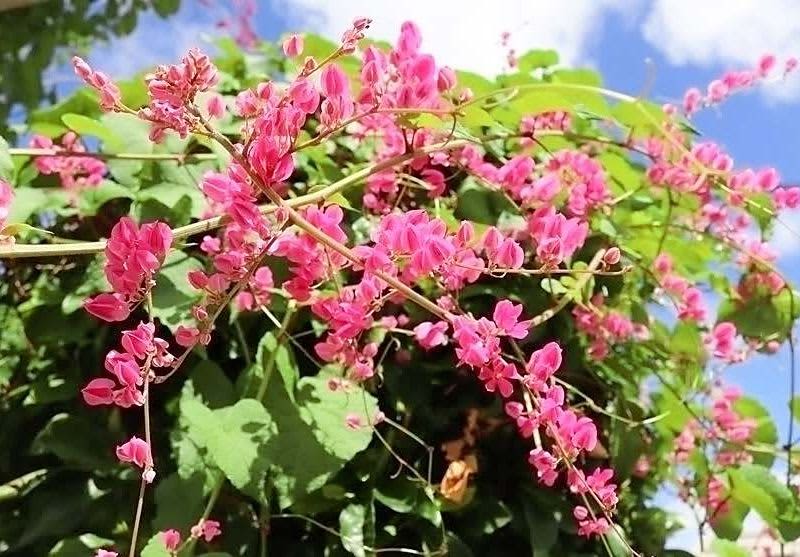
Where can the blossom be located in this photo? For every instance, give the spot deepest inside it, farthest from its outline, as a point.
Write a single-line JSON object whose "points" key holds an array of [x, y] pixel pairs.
{"points": [[506, 317], [110, 95], [108, 307], [430, 335], [135, 451], [293, 46], [172, 539], [206, 529], [99, 391]]}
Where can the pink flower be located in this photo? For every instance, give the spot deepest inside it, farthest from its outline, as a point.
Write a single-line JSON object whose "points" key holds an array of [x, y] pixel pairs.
{"points": [[353, 421], [506, 316], [545, 465], [430, 335], [543, 364], [135, 451], [139, 341], [446, 79], [187, 336], [108, 307], [106, 553], [334, 82], [6, 198], [717, 91], [124, 367], [172, 539], [110, 94], [207, 529], [98, 392], [215, 105], [293, 46], [692, 100], [766, 64], [498, 377]]}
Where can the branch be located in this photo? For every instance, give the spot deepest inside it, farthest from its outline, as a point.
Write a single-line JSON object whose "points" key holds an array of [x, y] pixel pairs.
{"points": [[18, 251], [180, 157]]}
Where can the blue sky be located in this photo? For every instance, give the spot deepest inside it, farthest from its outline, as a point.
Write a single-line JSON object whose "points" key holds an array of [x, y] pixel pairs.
{"points": [[680, 43]]}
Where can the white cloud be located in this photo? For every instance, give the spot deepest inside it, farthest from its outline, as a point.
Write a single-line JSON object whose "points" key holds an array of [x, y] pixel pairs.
{"points": [[466, 34], [728, 33]]}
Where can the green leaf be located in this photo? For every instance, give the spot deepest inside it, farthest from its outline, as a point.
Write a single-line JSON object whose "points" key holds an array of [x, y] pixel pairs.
{"points": [[312, 440], [179, 502], [479, 84], [355, 520], [537, 58], [208, 382], [757, 487], [406, 496], [75, 440], [134, 136], [268, 349], [475, 117], [80, 546], [155, 547], [479, 204], [83, 101], [795, 407], [91, 199], [726, 548], [6, 164], [166, 8], [26, 202], [762, 317], [643, 117], [83, 125], [765, 434], [234, 438], [170, 195], [729, 525]]}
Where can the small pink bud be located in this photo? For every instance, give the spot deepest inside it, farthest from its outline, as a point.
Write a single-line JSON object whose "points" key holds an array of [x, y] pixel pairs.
{"points": [[293, 46], [353, 421], [766, 64], [612, 256], [172, 539], [446, 79], [186, 336], [215, 106]]}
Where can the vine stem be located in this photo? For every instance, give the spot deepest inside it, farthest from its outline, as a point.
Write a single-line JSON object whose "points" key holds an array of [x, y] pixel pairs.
{"points": [[178, 157], [146, 410], [16, 251]]}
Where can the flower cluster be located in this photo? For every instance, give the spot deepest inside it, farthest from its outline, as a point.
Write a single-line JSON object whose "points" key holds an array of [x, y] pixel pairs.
{"points": [[172, 89], [74, 172], [731, 82], [688, 298], [605, 327], [133, 256], [142, 350], [724, 436], [110, 95]]}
